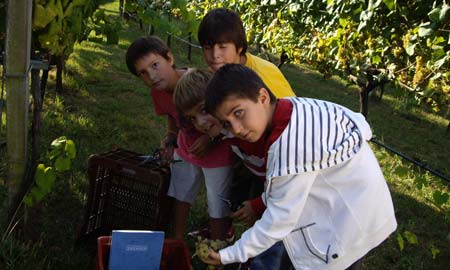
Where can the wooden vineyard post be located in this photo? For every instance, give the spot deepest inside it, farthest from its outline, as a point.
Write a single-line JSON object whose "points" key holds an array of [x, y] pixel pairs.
{"points": [[18, 43]]}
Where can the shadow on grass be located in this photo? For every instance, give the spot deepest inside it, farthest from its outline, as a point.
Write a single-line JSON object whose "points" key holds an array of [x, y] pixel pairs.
{"points": [[431, 230]]}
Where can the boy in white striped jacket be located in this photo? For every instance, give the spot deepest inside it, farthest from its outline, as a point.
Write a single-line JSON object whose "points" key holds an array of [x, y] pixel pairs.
{"points": [[326, 197]]}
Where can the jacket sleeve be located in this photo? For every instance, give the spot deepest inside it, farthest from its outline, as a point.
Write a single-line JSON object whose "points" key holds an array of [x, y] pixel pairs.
{"points": [[286, 197]]}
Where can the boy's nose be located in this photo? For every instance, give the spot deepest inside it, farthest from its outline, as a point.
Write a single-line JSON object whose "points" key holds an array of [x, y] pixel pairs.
{"points": [[201, 120], [151, 74], [216, 52], [236, 128]]}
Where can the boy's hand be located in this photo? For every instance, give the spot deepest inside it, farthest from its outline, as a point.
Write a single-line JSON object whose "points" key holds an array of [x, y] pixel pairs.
{"points": [[201, 146], [213, 258], [169, 140], [168, 147], [167, 153], [246, 214]]}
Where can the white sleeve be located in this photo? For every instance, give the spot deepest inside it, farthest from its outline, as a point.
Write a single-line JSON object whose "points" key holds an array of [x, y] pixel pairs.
{"points": [[286, 197], [263, 197]]}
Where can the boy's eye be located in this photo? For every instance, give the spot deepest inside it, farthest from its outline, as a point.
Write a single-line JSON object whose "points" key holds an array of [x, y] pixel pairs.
{"points": [[239, 113], [155, 65], [143, 74], [207, 47], [226, 125], [191, 119], [201, 108]]}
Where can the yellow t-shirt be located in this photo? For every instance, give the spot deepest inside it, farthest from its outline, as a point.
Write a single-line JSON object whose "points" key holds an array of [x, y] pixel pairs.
{"points": [[271, 76]]}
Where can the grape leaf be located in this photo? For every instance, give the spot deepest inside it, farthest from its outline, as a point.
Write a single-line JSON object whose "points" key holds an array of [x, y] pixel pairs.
{"points": [[70, 149], [411, 237], [400, 241], [62, 164]]}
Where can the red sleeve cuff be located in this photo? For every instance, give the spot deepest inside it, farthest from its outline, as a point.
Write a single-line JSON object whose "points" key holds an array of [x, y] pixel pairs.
{"points": [[258, 205]]}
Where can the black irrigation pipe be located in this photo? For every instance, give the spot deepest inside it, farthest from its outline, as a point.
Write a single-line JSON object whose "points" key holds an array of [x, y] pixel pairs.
{"points": [[415, 162]]}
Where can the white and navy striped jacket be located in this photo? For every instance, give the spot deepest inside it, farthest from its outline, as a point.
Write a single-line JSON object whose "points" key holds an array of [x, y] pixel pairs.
{"points": [[320, 135], [326, 196]]}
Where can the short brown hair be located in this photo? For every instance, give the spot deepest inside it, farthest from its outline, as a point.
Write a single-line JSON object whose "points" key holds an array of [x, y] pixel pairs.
{"points": [[143, 46], [222, 25], [190, 89], [234, 80]]}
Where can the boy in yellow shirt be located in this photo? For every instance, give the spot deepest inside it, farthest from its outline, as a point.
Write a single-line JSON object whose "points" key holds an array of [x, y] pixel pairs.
{"points": [[223, 40]]}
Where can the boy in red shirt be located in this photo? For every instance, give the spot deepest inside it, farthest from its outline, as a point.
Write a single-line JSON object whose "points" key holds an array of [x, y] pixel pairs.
{"points": [[151, 60]]}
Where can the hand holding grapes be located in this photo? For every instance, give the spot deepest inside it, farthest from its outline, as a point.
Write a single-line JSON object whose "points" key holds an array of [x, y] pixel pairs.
{"points": [[213, 258]]}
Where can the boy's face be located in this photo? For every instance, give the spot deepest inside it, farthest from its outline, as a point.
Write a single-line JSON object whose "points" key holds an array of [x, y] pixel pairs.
{"points": [[156, 71], [220, 54], [203, 121], [245, 118]]}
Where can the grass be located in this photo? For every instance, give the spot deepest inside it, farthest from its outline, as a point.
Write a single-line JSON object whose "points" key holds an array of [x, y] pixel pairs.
{"points": [[103, 105]]}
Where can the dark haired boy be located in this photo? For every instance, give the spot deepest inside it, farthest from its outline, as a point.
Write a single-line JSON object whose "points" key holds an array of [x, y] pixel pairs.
{"points": [[222, 37], [326, 197]]}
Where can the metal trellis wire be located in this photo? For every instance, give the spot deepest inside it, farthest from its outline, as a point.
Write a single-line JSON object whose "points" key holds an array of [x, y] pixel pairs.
{"points": [[184, 40]]}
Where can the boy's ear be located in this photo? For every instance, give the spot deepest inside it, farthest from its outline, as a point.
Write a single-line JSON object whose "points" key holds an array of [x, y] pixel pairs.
{"points": [[239, 50], [264, 96], [170, 56]]}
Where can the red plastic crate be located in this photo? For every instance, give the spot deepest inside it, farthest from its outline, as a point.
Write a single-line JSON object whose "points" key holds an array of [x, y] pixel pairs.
{"points": [[175, 254]]}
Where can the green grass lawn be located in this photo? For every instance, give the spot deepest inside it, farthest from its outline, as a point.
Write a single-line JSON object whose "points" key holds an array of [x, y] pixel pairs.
{"points": [[103, 105]]}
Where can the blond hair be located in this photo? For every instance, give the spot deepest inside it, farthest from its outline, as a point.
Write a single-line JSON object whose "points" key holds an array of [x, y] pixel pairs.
{"points": [[191, 88]]}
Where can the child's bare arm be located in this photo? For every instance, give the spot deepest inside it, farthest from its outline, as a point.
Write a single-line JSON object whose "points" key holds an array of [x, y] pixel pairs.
{"points": [[172, 128], [169, 141]]}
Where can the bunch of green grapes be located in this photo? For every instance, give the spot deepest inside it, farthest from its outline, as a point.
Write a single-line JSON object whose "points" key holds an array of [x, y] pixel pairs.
{"points": [[421, 72], [203, 245]]}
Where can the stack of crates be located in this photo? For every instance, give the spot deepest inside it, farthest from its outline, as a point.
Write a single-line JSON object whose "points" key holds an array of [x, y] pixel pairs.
{"points": [[126, 192]]}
